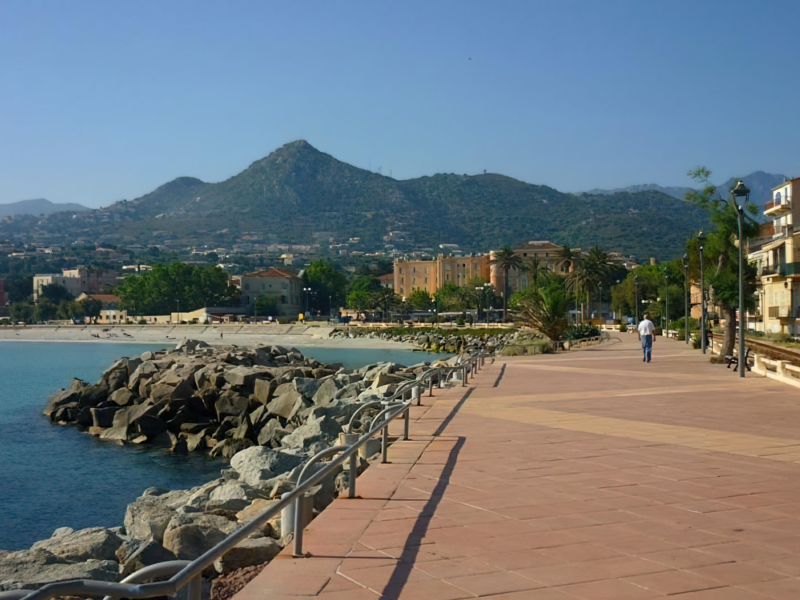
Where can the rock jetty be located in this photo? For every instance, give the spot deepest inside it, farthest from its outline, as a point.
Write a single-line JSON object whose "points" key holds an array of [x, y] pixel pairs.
{"points": [[434, 340], [266, 409]]}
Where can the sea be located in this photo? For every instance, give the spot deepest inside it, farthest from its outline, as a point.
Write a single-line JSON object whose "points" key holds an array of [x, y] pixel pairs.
{"points": [[53, 476]]}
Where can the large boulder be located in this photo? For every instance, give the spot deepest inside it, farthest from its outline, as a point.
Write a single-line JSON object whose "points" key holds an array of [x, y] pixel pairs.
{"points": [[316, 429], [70, 395], [124, 418], [245, 376], [326, 392], [147, 516], [223, 496], [257, 464], [252, 551], [286, 403], [188, 535], [73, 546], [133, 555], [31, 569]]}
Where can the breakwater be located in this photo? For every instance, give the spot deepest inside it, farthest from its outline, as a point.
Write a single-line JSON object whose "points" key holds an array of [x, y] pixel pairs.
{"points": [[267, 409], [435, 339]]}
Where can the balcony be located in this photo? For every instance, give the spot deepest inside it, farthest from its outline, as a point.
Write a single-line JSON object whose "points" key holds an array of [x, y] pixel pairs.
{"points": [[776, 209], [789, 269]]}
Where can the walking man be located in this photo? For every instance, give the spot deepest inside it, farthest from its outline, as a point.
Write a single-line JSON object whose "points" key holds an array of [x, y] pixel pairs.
{"points": [[646, 331]]}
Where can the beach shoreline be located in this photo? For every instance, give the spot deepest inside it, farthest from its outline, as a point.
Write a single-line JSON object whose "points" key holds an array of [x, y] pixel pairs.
{"points": [[233, 334]]}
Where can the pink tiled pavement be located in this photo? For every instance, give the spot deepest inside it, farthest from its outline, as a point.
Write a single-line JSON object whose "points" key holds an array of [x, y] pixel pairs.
{"points": [[585, 475]]}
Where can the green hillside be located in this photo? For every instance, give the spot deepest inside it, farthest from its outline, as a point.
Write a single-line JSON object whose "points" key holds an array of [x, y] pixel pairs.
{"points": [[298, 191]]}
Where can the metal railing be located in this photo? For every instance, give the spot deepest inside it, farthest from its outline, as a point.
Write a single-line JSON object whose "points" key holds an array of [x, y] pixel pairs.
{"points": [[188, 574]]}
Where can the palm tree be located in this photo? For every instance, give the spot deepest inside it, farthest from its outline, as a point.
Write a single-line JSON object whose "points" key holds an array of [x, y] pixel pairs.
{"points": [[545, 309], [506, 260], [536, 269]]}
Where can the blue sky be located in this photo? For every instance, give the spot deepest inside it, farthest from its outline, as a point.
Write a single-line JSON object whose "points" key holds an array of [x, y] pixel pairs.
{"points": [[104, 100]]}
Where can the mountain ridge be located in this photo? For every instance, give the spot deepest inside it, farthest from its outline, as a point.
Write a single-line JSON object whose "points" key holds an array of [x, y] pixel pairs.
{"points": [[300, 195], [38, 206]]}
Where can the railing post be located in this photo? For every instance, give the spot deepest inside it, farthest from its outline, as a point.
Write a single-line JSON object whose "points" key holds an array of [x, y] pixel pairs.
{"points": [[385, 443], [430, 385], [353, 473], [407, 421], [194, 591], [415, 395], [464, 376], [298, 526], [439, 378]]}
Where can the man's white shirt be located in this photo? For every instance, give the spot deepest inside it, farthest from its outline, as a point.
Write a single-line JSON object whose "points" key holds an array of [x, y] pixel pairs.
{"points": [[646, 327]]}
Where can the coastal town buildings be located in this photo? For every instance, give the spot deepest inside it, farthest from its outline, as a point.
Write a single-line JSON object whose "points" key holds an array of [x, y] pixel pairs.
{"points": [[76, 281], [283, 287], [777, 260], [432, 275]]}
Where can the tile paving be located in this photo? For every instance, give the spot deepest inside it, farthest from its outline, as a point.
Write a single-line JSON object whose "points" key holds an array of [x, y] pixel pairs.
{"points": [[583, 475]]}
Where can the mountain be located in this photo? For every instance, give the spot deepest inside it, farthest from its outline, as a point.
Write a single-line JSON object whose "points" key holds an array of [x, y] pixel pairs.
{"points": [[300, 195], [759, 182], [38, 206], [674, 191]]}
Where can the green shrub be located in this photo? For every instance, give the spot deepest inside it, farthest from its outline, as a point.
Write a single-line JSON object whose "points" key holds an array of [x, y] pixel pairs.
{"points": [[623, 327], [581, 331]]}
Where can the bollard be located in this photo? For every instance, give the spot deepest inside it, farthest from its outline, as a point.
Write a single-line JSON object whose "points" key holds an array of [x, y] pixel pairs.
{"points": [[415, 395]]}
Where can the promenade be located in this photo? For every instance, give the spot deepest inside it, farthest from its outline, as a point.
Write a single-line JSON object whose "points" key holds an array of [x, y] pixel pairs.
{"points": [[585, 475]]}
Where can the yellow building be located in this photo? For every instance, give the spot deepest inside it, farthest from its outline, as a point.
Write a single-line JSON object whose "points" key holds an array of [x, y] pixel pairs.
{"points": [[548, 254], [778, 263], [432, 275]]}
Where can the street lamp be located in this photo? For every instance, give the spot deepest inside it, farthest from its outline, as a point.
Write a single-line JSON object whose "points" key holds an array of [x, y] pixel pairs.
{"points": [[740, 190], [686, 298], [306, 292], [636, 298], [700, 242]]}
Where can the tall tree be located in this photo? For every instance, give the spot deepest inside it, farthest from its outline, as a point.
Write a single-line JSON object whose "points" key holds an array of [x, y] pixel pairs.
{"points": [[328, 284], [507, 260], [720, 252]]}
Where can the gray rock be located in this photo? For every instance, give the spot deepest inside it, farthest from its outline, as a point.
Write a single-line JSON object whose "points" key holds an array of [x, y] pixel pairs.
{"points": [[271, 434], [103, 417], [122, 397], [123, 419], [94, 542], [245, 376], [65, 396], [147, 516], [326, 392], [252, 551], [31, 569], [224, 495], [144, 372], [133, 555], [316, 429], [263, 390], [228, 447], [258, 464], [286, 404], [187, 536]]}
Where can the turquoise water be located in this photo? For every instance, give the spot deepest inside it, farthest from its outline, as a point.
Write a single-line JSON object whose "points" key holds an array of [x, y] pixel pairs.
{"points": [[58, 476]]}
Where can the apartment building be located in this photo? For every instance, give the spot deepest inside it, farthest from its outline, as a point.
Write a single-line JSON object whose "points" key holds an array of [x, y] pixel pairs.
{"points": [[431, 275], [778, 262], [284, 286], [76, 281]]}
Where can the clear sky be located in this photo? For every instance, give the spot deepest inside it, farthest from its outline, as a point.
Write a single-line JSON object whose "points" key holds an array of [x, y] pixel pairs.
{"points": [[104, 100]]}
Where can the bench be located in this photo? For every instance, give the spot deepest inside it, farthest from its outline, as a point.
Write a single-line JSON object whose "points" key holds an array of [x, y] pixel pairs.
{"points": [[733, 359]]}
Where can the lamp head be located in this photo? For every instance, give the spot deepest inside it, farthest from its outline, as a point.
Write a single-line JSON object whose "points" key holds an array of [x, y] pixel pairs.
{"points": [[740, 190]]}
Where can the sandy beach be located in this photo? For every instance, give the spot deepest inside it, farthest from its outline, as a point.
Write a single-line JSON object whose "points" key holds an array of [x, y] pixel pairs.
{"points": [[241, 335]]}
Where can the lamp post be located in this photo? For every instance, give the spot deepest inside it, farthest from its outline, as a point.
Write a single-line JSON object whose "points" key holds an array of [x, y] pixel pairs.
{"points": [[686, 298], [636, 298], [666, 305], [479, 294], [306, 292], [700, 242], [740, 190]]}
